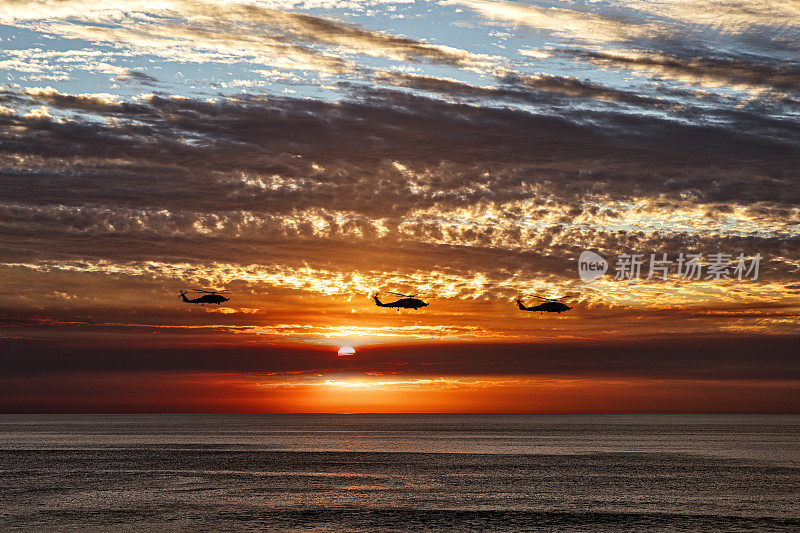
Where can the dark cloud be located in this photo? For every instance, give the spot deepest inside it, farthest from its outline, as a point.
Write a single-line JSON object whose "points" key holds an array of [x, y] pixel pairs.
{"points": [[540, 89], [710, 357], [265, 136], [741, 69], [174, 179], [138, 77]]}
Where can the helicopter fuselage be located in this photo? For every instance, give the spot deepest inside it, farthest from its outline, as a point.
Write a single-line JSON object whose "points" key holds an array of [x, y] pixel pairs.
{"points": [[205, 299], [546, 307], [403, 303]]}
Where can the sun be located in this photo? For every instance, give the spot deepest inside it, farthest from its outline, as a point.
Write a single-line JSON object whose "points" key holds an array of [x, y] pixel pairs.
{"points": [[346, 351]]}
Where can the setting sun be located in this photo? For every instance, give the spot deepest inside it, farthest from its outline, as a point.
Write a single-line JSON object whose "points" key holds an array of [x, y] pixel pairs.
{"points": [[346, 351]]}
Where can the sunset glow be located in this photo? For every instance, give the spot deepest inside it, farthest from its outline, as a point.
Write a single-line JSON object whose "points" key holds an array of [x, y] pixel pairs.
{"points": [[305, 156]]}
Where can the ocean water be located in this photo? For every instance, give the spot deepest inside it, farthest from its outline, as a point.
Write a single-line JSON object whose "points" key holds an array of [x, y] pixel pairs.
{"points": [[400, 472]]}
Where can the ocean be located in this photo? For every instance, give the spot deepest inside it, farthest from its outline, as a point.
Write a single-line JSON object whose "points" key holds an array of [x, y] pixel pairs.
{"points": [[400, 472]]}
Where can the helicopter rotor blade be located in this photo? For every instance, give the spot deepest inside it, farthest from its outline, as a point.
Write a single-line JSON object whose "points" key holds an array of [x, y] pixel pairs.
{"points": [[210, 292], [546, 299], [400, 294]]}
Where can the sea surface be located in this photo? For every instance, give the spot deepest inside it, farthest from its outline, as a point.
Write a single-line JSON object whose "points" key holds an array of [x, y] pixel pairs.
{"points": [[400, 472]]}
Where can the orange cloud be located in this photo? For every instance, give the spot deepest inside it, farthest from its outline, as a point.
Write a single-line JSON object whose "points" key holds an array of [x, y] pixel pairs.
{"points": [[159, 392]]}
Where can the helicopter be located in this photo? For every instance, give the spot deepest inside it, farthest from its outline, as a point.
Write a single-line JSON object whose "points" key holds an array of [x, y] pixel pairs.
{"points": [[407, 302], [209, 297], [550, 305]]}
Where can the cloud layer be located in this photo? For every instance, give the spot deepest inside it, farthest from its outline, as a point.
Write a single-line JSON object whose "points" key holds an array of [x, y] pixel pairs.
{"points": [[308, 155]]}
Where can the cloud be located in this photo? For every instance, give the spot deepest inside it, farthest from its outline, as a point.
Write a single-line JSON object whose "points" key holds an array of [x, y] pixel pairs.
{"points": [[532, 89], [710, 358], [228, 139], [480, 186], [467, 166], [124, 74], [560, 21], [728, 72], [627, 21], [730, 16], [224, 31]]}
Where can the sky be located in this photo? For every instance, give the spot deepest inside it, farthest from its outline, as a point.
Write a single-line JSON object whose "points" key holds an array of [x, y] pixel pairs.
{"points": [[306, 155]]}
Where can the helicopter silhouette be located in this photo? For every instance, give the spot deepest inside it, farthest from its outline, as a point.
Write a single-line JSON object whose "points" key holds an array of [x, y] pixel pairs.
{"points": [[407, 302], [550, 305], [209, 297]]}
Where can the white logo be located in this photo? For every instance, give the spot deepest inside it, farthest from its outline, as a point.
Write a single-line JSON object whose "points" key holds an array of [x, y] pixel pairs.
{"points": [[591, 266], [631, 266]]}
